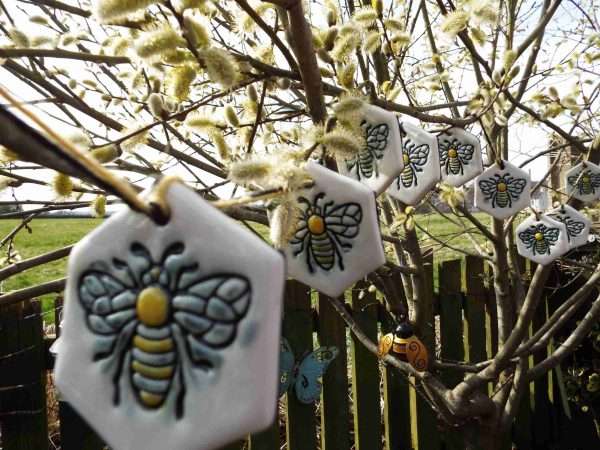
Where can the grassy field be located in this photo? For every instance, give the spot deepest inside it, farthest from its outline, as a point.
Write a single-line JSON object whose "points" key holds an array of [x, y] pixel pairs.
{"points": [[45, 235]]}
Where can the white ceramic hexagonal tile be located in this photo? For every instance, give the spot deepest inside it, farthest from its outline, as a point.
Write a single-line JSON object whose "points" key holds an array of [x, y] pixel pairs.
{"points": [[502, 190], [460, 156], [583, 182], [337, 241], [170, 331], [381, 160], [421, 165], [578, 225], [542, 240]]}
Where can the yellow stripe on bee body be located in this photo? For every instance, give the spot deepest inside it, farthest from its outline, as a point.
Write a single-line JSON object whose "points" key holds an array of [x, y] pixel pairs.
{"points": [[150, 346], [156, 373], [151, 400], [316, 224]]}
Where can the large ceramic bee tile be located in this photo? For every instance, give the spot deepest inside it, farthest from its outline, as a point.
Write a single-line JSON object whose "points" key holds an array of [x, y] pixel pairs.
{"points": [[583, 182], [460, 156], [578, 225], [542, 240], [169, 331], [380, 161], [337, 241], [421, 166], [502, 191]]}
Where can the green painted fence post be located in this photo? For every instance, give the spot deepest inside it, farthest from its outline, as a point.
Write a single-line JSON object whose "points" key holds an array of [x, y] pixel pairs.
{"points": [[23, 416], [298, 329], [425, 428], [365, 373], [335, 410]]}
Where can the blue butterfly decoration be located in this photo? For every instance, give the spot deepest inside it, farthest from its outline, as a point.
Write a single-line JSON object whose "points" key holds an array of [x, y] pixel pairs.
{"points": [[303, 375]]}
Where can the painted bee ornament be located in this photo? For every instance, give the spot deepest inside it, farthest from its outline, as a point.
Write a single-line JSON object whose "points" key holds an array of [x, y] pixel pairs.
{"points": [[151, 316], [379, 161], [406, 345], [583, 182], [542, 240], [578, 225], [415, 157], [421, 165], [336, 240], [460, 156], [325, 232], [502, 190], [365, 164]]}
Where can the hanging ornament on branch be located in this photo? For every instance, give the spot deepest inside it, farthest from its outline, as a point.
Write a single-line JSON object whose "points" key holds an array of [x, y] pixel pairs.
{"points": [[337, 240], [542, 239], [380, 160], [583, 182], [578, 225], [502, 190], [460, 156], [164, 321], [421, 169], [406, 345]]}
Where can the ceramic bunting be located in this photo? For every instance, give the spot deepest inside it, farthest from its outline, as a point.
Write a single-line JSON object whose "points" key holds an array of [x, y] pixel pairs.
{"points": [[421, 165], [460, 156], [502, 190], [380, 161], [337, 241], [541, 240], [578, 225], [169, 331], [303, 376], [583, 182]]}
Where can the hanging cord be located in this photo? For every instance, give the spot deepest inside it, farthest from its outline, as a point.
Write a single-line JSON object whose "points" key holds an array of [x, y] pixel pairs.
{"points": [[88, 165], [68, 158]]}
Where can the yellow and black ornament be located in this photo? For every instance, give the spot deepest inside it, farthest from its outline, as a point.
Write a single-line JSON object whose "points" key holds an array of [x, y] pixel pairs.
{"points": [[404, 344]]}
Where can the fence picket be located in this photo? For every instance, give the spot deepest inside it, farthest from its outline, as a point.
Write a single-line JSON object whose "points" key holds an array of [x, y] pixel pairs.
{"points": [[298, 329], [23, 397], [365, 373], [335, 410]]}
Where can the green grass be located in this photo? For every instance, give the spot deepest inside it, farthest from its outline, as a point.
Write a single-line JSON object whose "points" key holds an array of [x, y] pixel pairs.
{"points": [[45, 235], [42, 236]]}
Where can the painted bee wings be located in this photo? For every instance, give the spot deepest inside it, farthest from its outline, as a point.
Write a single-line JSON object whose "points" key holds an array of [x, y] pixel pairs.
{"points": [[418, 154], [209, 310], [465, 151], [344, 220], [574, 227], [377, 138], [109, 306], [574, 179], [515, 187], [488, 187], [550, 234]]}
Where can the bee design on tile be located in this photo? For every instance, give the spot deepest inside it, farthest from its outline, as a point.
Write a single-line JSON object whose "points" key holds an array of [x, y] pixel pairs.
{"points": [[365, 163], [502, 190], [415, 157], [151, 318], [574, 227], [454, 155], [325, 231], [585, 181], [539, 238]]}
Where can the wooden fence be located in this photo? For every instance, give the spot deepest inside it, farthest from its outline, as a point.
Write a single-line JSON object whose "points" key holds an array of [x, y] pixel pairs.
{"points": [[364, 406]]}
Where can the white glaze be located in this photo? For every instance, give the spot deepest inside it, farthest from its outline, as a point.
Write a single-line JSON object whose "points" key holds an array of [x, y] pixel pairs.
{"points": [[578, 225], [524, 234], [585, 187], [457, 170]]}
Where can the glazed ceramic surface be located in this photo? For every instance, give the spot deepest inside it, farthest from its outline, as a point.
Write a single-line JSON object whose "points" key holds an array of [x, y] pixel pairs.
{"points": [[169, 332], [502, 191], [460, 156], [583, 182], [380, 162], [577, 224], [337, 241], [542, 240], [421, 166]]}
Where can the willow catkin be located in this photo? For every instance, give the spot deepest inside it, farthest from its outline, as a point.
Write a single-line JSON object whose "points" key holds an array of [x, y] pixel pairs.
{"points": [[221, 67], [342, 142], [196, 32], [250, 171], [455, 22], [156, 105], [110, 10], [62, 185], [99, 206], [106, 153], [179, 81], [154, 45], [231, 116], [283, 223]]}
